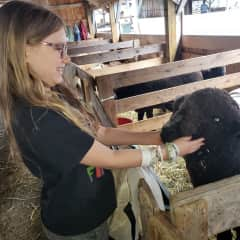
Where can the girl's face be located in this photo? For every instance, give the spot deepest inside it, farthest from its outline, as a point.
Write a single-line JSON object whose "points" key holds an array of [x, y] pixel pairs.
{"points": [[47, 59]]}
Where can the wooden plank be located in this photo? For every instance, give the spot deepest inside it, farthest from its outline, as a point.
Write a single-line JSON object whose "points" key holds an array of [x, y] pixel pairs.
{"points": [[82, 74], [117, 54], [161, 96], [64, 5], [170, 69], [148, 124], [125, 67], [192, 220], [156, 224], [99, 110], [114, 22], [88, 43], [201, 51], [222, 203], [170, 29], [160, 227], [90, 19], [74, 52]]}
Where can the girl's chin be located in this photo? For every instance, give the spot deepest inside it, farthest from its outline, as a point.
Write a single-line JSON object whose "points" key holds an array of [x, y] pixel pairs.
{"points": [[59, 80]]}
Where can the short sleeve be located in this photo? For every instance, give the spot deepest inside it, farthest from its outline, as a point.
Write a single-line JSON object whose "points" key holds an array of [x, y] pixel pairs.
{"points": [[55, 142]]}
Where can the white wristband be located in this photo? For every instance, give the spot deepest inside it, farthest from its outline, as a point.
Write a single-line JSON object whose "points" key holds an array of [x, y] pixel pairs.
{"points": [[146, 157]]}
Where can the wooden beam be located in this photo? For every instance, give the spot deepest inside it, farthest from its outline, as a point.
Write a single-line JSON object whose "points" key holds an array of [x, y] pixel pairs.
{"points": [[125, 67], [117, 54], [169, 70], [88, 43], [181, 6], [90, 20], [65, 5], [74, 52], [170, 30], [148, 124], [161, 96], [114, 23]]}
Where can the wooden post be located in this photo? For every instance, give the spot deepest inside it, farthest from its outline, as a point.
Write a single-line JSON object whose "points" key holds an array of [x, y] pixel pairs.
{"points": [[170, 26], [114, 24], [91, 21], [192, 220]]}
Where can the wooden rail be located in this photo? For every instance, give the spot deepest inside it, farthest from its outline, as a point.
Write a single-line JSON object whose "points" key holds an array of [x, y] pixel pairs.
{"points": [[127, 78], [88, 43], [74, 52], [107, 82], [118, 54]]}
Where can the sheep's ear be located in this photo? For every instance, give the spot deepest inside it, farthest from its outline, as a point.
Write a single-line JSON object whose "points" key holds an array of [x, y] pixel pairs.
{"points": [[235, 128], [178, 102]]}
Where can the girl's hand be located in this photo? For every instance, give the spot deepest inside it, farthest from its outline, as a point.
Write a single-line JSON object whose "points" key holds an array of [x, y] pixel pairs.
{"points": [[187, 146]]}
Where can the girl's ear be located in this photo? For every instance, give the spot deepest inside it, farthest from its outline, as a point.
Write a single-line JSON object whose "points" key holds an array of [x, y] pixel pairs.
{"points": [[27, 52]]}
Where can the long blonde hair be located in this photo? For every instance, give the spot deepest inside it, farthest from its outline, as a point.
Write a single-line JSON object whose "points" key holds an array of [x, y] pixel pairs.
{"points": [[24, 23]]}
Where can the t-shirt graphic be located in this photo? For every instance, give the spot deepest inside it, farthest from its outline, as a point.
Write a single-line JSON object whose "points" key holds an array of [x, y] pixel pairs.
{"points": [[99, 172]]}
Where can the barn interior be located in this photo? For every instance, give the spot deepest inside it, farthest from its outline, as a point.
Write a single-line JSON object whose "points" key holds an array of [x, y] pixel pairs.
{"points": [[116, 44]]}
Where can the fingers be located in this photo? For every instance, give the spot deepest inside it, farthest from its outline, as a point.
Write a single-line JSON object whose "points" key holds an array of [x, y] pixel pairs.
{"points": [[187, 145], [196, 144]]}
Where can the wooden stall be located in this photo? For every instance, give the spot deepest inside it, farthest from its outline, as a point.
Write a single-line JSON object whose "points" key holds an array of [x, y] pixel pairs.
{"points": [[107, 83], [195, 214], [115, 55]]}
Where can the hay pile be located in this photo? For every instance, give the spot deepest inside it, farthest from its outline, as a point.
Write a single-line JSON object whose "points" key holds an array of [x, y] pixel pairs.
{"points": [[19, 201], [174, 175]]}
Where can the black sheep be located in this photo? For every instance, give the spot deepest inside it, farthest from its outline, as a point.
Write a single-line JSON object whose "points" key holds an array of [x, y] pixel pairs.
{"points": [[210, 113]]}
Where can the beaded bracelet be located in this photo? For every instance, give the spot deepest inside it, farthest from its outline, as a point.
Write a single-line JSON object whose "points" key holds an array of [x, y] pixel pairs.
{"points": [[151, 156], [172, 151]]}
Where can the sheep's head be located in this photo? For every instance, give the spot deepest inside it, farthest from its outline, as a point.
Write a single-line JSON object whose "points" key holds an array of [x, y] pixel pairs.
{"points": [[210, 113]]}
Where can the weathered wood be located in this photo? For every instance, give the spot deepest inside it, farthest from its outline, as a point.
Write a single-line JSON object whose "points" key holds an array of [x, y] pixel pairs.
{"points": [[148, 124], [91, 23], [114, 22], [110, 109], [64, 5], [192, 220], [125, 67], [161, 96], [99, 110], [82, 74], [88, 43], [155, 223], [201, 51], [222, 200], [117, 54], [170, 69], [170, 29], [74, 52], [161, 228]]}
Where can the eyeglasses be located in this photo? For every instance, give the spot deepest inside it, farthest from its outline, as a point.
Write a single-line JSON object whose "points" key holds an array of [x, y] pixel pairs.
{"points": [[60, 47]]}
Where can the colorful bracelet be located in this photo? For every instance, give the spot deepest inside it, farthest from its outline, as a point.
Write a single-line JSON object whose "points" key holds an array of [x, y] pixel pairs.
{"points": [[172, 151]]}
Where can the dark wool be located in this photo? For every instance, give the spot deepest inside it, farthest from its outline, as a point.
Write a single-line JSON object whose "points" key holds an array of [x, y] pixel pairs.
{"points": [[210, 113]]}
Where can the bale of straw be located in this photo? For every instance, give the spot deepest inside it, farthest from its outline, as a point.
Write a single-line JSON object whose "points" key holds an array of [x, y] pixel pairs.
{"points": [[19, 198]]}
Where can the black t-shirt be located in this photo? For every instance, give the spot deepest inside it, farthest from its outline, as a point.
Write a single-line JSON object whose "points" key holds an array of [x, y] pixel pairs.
{"points": [[75, 198]]}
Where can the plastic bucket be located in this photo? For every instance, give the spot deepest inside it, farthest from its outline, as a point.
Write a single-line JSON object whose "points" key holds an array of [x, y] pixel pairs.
{"points": [[122, 120]]}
